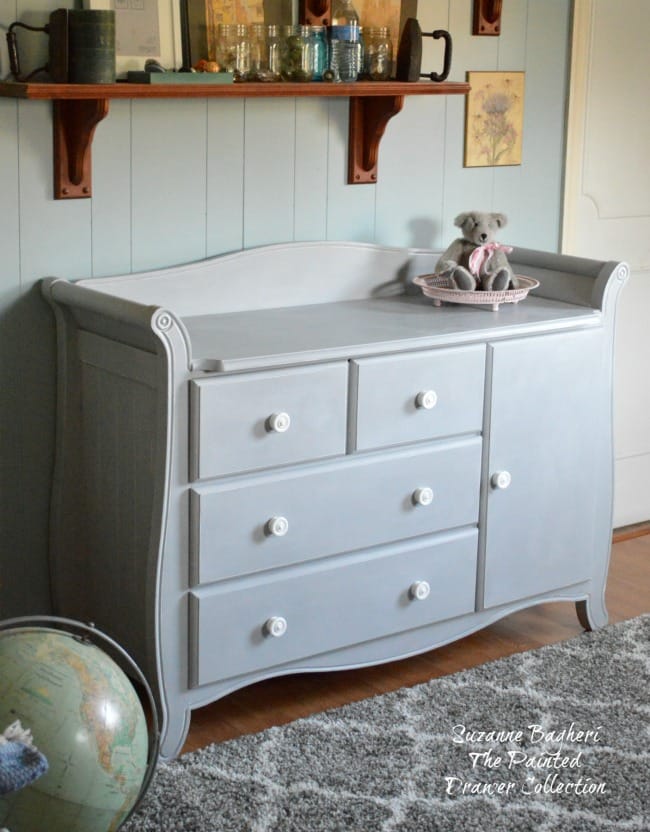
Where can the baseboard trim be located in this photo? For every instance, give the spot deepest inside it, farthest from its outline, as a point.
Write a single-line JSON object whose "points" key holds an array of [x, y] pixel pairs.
{"points": [[630, 532]]}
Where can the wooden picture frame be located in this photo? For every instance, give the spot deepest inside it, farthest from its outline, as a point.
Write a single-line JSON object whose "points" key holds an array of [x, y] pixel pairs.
{"points": [[203, 16], [144, 29], [494, 119]]}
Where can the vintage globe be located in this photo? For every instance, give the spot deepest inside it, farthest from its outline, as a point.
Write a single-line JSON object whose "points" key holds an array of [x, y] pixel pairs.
{"points": [[86, 718]]}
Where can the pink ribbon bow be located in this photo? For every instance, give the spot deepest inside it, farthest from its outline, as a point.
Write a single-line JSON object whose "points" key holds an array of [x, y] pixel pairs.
{"points": [[480, 256]]}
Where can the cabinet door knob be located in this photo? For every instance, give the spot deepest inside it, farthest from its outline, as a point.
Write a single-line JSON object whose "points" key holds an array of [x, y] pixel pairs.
{"points": [[276, 626], [278, 422], [423, 496], [277, 526], [426, 400], [501, 479], [419, 590]]}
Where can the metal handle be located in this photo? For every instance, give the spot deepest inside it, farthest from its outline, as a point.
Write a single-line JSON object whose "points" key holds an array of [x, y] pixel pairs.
{"points": [[12, 47], [446, 63]]}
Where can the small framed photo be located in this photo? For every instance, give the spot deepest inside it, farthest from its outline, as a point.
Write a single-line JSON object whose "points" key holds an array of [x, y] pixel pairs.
{"points": [[144, 29], [494, 119]]}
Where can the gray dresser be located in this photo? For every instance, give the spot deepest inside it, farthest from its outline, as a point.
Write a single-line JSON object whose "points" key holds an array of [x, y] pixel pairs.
{"points": [[286, 459]]}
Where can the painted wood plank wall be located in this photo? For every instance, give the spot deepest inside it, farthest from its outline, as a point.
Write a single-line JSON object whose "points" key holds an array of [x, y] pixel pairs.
{"points": [[176, 181]]}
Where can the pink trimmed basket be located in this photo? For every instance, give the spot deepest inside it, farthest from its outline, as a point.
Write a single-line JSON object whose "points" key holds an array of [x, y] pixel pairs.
{"points": [[440, 288]]}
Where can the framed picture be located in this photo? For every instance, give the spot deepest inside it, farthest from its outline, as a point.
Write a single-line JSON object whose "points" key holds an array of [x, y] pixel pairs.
{"points": [[203, 17], [494, 119], [144, 29]]}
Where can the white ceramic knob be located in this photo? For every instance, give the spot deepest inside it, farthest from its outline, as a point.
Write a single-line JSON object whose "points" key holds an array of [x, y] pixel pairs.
{"points": [[275, 626], [419, 590], [427, 399], [277, 526], [278, 422], [423, 496], [501, 479]]}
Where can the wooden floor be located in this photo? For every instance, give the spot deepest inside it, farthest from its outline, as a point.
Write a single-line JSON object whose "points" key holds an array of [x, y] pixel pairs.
{"points": [[276, 701]]}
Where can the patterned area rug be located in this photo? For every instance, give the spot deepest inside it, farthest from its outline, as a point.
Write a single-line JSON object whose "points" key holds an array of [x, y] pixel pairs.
{"points": [[552, 739]]}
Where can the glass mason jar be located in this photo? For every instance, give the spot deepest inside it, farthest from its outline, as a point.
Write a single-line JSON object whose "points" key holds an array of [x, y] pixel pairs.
{"points": [[275, 49], [318, 35], [233, 48], [259, 64], [298, 56], [378, 53]]}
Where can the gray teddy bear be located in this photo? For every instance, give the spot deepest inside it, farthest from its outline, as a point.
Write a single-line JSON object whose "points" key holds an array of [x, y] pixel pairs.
{"points": [[475, 260]]}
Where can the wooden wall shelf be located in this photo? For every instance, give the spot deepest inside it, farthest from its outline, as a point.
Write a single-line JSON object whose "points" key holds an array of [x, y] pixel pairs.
{"points": [[78, 109]]}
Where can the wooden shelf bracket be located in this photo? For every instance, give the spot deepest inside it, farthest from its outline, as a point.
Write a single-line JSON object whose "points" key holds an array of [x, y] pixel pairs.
{"points": [[74, 126], [368, 120]]}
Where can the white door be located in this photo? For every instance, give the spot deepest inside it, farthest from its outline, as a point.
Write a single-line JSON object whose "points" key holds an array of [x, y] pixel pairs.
{"points": [[607, 210]]}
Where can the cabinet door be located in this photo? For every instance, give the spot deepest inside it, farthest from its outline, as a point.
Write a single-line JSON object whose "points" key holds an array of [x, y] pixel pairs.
{"points": [[549, 429]]}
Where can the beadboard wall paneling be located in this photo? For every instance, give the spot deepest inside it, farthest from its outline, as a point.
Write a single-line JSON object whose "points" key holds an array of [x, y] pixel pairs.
{"points": [[175, 181], [413, 144], [9, 191], [547, 70], [350, 208], [269, 143], [224, 180], [111, 208], [168, 178], [311, 169]]}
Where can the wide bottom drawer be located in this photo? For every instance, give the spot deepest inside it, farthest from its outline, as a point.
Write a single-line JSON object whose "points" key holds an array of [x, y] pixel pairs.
{"points": [[246, 625]]}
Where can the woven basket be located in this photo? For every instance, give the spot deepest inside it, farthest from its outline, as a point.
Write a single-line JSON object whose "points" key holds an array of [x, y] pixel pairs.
{"points": [[440, 288]]}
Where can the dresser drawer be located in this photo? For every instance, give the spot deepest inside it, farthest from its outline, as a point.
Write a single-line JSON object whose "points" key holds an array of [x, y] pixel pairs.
{"points": [[326, 607], [258, 420], [258, 523], [418, 396]]}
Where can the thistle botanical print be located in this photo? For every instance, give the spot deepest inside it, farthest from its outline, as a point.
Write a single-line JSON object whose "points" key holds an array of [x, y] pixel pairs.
{"points": [[494, 119]]}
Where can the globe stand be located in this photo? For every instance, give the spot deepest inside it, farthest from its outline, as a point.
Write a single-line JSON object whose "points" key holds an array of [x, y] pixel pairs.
{"points": [[90, 634]]}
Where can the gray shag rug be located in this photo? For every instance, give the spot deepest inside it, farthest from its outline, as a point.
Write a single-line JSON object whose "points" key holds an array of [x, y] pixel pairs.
{"points": [[553, 739]]}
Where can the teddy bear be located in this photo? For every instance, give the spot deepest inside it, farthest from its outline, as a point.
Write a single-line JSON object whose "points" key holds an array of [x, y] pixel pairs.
{"points": [[475, 260]]}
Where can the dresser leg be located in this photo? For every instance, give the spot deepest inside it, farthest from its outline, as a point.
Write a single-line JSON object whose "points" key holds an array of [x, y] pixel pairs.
{"points": [[592, 613], [174, 732]]}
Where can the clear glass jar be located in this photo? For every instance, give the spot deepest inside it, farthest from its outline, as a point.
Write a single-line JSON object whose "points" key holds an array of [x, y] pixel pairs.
{"points": [[318, 35], [378, 53], [298, 61], [259, 58], [275, 49], [225, 47], [233, 48]]}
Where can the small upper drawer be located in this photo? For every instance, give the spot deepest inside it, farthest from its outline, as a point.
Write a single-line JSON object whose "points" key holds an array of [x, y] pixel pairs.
{"points": [[257, 420], [417, 396]]}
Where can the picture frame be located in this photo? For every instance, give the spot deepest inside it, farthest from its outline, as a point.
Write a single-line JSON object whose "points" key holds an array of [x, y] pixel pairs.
{"points": [[144, 29], [389, 13], [203, 16], [494, 119]]}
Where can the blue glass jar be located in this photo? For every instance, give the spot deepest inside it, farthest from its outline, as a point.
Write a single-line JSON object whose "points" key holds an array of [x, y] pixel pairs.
{"points": [[318, 36]]}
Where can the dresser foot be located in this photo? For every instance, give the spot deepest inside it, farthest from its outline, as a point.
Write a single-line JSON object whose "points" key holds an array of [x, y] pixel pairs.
{"points": [[174, 732], [592, 613]]}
